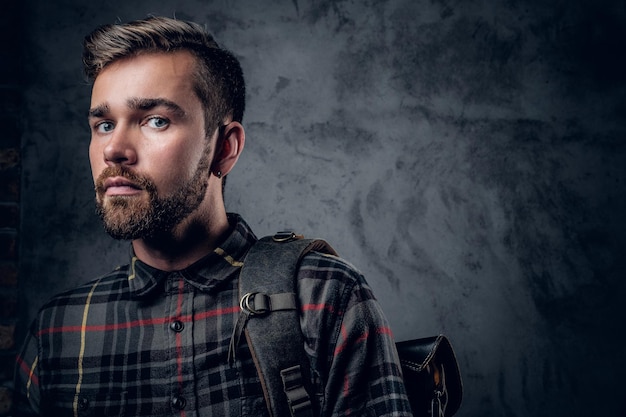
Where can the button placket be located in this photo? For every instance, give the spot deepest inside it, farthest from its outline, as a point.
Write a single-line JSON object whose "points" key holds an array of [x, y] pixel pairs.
{"points": [[179, 327]]}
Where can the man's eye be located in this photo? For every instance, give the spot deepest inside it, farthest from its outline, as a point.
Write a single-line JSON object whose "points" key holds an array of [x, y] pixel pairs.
{"points": [[158, 122], [104, 127]]}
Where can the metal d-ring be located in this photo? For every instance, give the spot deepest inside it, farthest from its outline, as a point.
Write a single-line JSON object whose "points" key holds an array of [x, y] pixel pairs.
{"points": [[285, 236], [245, 306]]}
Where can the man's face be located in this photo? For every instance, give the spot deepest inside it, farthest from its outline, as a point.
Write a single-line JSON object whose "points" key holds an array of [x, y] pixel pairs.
{"points": [[150, 158]]}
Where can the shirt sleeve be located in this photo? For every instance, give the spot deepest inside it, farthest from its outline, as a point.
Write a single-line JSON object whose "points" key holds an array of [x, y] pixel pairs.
{"points": [[350, 342], [26, 397]]}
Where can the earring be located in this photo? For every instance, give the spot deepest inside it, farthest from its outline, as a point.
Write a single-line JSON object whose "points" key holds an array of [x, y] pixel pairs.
{"points": [[218, 174]]}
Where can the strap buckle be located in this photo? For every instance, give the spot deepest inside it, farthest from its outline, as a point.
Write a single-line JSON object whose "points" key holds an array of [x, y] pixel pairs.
{"points": [[293, 384]]}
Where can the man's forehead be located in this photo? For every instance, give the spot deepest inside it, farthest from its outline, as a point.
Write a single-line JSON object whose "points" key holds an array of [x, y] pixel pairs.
{"points": [[146, 81], [177, 56], [154, 70]]}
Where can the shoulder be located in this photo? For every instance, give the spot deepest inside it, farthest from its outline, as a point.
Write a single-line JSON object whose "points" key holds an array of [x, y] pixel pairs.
{"points": [[325, 266], [332, 278]]}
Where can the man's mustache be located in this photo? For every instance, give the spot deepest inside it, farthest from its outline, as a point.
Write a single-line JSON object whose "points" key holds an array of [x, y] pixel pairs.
{"points": [[139, 181]]}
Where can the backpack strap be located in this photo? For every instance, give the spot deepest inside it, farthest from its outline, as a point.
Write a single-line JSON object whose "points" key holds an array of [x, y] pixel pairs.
{"points": [[270, 320]]}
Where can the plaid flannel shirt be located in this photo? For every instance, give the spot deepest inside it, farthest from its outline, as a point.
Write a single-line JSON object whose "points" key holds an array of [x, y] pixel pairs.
{"points": [[144, 342]]}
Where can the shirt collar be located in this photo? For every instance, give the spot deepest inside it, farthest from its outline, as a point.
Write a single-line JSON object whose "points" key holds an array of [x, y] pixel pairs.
{"points": [[207, 273]]}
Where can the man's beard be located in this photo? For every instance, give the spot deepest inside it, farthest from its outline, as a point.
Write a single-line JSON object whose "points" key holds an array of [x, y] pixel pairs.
{"points": [[135, 217]]}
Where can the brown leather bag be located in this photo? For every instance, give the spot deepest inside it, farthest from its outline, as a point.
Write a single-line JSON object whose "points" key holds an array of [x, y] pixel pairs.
{"points": [[431, 376]]}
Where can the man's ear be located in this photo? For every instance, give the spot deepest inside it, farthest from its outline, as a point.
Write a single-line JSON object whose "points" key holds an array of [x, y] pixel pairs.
{"points": [[230, 146]]}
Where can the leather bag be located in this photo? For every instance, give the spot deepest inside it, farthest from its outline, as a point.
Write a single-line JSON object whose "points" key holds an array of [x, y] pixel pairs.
{"points": [[431, 376]]}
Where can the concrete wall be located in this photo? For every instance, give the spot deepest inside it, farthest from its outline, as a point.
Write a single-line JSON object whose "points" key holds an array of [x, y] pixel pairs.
{"points": [[10, 136], [468, 156]]}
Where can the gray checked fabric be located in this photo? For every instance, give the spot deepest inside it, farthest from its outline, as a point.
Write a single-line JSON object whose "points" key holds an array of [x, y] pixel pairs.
{"points": [[144, 342]]}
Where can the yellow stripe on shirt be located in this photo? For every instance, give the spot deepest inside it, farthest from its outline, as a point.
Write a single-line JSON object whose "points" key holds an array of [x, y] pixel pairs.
{"points": [[132, 268], [228, 258], [81, 354], [30, 376]]}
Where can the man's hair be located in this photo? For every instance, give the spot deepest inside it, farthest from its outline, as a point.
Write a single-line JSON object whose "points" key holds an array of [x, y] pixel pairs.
{"points": [[218, 82]]}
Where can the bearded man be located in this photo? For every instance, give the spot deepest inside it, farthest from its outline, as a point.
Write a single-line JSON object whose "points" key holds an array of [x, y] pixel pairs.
{"points": [[152, 338]]}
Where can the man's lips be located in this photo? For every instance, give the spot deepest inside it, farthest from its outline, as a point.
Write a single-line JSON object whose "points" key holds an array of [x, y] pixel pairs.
{"points": [[120, 186]]}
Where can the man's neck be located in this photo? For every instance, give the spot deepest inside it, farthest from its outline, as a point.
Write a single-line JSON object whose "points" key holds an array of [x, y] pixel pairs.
{"points": [[181, 248]]}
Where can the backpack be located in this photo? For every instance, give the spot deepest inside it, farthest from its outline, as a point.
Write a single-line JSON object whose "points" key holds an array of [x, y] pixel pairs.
{"points": [[269, 320]]}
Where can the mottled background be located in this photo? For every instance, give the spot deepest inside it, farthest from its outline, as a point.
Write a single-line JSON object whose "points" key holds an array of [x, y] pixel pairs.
{"points": [[467, 156]]}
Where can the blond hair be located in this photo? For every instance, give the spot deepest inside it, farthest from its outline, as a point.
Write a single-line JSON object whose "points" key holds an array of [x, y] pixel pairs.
{"points": [[218, 81]]}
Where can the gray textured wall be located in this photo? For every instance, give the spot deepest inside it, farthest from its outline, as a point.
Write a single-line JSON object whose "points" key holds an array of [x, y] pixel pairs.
{"points": [[468, 156]]}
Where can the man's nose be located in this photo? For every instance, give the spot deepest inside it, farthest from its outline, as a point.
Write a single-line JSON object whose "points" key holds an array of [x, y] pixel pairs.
{"points": [[121, 147]]}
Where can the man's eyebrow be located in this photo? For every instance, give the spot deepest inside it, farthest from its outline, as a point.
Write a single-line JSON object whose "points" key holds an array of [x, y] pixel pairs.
{"points": [[151, 103], [139, 104], [99, 111]]}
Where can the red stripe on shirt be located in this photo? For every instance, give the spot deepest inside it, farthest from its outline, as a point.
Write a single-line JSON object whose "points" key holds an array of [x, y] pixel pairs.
{"points": [[362, 338], [318, 307], [137, 323]]}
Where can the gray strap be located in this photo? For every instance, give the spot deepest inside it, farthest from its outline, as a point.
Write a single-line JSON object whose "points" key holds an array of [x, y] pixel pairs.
{"points": [[256, 303], [267, 283]]}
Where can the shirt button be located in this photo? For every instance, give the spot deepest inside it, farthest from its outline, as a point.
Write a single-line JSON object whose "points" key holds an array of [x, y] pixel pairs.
{"points": [[177, 326], [83, 403], [178, 403]]}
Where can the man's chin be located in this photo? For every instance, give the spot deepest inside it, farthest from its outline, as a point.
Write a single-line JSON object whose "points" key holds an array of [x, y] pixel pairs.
{"points": [[118, 234], [123, 223], [123, 229]]}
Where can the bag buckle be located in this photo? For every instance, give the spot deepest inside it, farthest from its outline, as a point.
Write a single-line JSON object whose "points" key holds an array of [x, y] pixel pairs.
{"points": [[440, 399]]}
